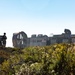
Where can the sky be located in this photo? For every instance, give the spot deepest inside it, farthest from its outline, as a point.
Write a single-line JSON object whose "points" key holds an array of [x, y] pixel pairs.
{"points": [[48, 17]]}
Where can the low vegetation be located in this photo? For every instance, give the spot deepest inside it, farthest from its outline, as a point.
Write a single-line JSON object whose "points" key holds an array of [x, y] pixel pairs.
{"points": [[58, 59]]}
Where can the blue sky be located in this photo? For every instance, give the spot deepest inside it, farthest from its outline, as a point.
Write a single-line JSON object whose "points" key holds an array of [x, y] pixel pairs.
{"points": [[36, 17]]}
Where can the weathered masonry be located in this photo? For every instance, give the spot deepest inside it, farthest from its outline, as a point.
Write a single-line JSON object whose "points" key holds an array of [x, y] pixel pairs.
{"points": [[21, 40]]}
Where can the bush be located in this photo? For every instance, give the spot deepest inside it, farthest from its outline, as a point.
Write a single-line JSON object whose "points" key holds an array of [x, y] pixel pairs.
{"points": [[58, 59]]}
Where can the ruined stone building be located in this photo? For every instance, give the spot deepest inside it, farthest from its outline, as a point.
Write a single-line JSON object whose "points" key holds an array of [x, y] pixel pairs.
{"points": [[39, 40], [21, 40]]}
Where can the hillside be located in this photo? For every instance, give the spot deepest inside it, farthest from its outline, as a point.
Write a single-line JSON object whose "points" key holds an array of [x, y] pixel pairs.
{"points": [[58, 59]]}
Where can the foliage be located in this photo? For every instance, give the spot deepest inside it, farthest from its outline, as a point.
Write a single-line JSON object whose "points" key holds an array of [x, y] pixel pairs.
{"points": [[58, 59]]}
